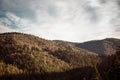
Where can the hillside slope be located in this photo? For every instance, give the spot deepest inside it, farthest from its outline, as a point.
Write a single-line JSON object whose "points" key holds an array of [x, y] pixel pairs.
{"points": [[32, 54], [24, 56], [103, 47]]}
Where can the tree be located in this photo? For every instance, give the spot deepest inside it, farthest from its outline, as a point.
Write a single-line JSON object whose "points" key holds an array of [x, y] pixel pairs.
{"points": [[114, 73], [96, 74]]}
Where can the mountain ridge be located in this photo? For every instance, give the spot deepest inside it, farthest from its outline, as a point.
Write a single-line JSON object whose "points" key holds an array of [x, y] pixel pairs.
{"points": [[106, 46]]}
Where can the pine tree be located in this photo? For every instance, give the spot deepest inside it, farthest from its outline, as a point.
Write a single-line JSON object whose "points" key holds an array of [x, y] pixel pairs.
{"points": [[114, 73], [96, 74]]}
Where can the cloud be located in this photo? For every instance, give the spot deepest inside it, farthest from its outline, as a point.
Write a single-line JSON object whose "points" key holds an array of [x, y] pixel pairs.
{"points": [[20, 8], [71, 20], [4, 29]]}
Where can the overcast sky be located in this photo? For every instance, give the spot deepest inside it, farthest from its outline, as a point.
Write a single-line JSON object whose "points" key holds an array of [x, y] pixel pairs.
{"points": [[70, 20]]}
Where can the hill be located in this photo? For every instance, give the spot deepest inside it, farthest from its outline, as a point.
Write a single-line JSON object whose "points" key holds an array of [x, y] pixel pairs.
{"points": [[107, 46], [103, 47], [28, 54], [24, 56]]}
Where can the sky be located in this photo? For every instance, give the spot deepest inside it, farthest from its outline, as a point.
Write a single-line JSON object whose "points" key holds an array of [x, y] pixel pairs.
{"points": [[68, 20]]}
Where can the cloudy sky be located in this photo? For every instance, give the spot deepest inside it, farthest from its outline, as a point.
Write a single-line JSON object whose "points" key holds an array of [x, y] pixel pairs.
{"points": [[70, 20]]}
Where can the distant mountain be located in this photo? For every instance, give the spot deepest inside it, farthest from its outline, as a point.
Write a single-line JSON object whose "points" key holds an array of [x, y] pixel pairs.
{"points": [[102, 47], [24, 56]]}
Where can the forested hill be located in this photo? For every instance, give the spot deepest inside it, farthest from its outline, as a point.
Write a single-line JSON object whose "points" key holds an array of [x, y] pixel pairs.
{"points": [[106, 46], [24, 56]]}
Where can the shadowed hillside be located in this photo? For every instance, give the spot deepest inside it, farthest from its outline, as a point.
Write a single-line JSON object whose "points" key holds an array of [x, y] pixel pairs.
{"points": [[102, 47], [77, 74]]}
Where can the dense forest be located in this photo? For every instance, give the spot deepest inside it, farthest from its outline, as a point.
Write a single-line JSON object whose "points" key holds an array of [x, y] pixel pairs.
{"points": [[27, 57]]}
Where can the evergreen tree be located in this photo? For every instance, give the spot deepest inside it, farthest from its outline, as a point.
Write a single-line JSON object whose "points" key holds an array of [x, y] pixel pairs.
{"points": [[96, 74], [114, 73]]}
